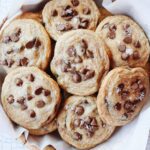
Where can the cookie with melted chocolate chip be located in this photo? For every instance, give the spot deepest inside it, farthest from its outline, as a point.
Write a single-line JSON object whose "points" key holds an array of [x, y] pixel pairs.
{"points": [[122, 94], [66, 15], [31, 99], [24, 42], [79, 123], [126, 41], [84, 62]]}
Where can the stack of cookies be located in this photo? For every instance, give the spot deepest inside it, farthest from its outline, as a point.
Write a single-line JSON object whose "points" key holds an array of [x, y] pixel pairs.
{"points": [[101, 66]]}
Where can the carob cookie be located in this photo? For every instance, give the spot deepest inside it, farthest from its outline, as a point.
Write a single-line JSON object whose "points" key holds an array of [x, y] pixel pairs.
{"points": [[79, 123], [30, 97], [122, 95], [24, 42], [126, 41], [80, 62], [61, 16], [52, 126]]}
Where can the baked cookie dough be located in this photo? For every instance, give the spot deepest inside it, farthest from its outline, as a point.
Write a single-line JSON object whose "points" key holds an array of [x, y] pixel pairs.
{"points": [[79, 123], [52, 126], [24, 42], [80, 62], [61, 16], [30, 97], [126, 41], [122, 95]]}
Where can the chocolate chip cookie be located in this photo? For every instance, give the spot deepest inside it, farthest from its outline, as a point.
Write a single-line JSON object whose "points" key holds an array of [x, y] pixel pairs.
{"points": [[79, 123], [24, 42], [122, 95], [80, 62], [61, 16], [30, 97], [126, 41]]}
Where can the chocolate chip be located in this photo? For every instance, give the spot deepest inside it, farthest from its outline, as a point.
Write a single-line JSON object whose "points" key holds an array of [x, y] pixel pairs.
{"points": [[122, 47], [83, 70], [111, 34], [128, 39], [6, 39], [10, 51], [77, 136], [21, 100], [32, 114], [38, 91], [46, 92], [84, 44], [29, 97], [19, 82], [31, 77], [89, 54], [93, 122], [137, 44], [128, 106], [40, 103], [86, 11], [14, 38], [77, 123], [127, 29], [136, 55], [79, 110], [68, 27], [124, 94], [68, 13], [71, 51], [54, 13], [121, 86], [84, 23], [118, 106], [124, 56], [37, 43], [24, 107], [112, 27], [10, 62], [135, 102], [134, 86], [10, 99], [30, 44], [90, 74], [24, 61], [125, 115], [75, 2], [67, 7], [17, 31], [64, 68], [103, 124], [76, 78], [21, 49], [78, 59]]}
